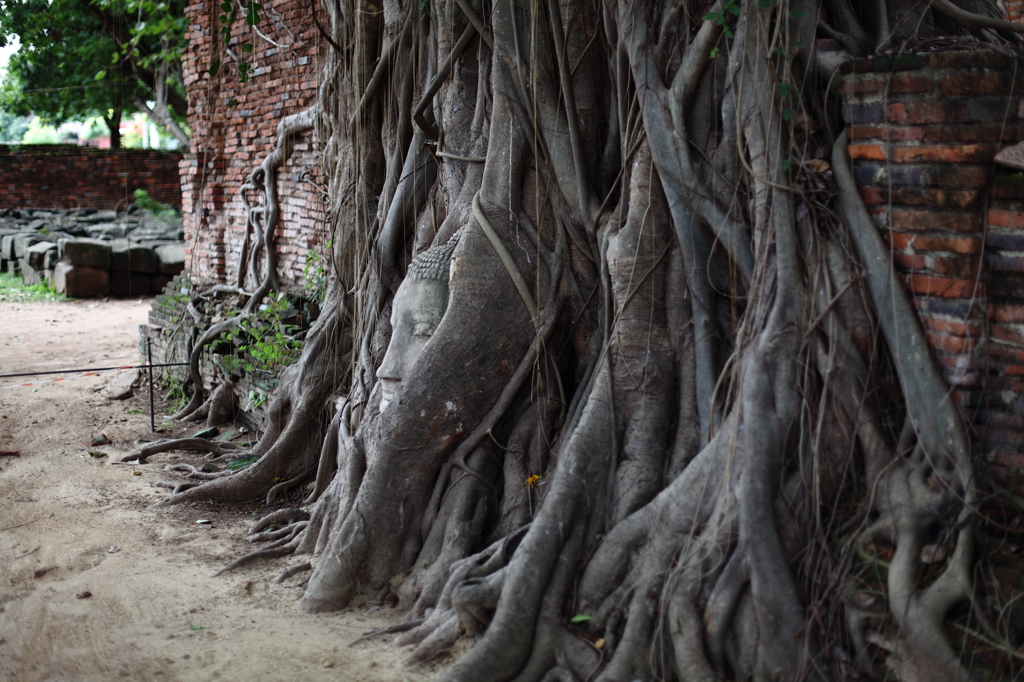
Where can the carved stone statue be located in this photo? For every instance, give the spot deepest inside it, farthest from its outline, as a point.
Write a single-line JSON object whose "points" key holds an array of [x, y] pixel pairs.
{"points": [[419, 305]]}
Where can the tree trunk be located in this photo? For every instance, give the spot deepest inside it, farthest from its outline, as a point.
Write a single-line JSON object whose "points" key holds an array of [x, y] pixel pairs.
{"points": [[608, 403]]}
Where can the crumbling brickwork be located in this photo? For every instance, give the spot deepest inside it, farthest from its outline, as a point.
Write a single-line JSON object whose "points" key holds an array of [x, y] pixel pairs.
{"points": [[234, 127], [68, 176], [924, 130]]}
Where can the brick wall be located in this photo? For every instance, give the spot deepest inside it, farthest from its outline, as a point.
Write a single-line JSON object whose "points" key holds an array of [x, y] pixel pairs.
{"points": [[68, 176], [924, 129], [234, 127]]}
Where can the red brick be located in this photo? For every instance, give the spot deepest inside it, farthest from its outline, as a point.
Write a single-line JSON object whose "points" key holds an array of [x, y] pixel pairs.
{"points": [[1013, 314], [936, 324], [966, 245], [872, 196], [944, 153], [861, 85], [887, 133], [950, 344], [902, 84], [928, 285], [903, 219], [909, 262], [898, 240], [974, 83], [959, 267], [1005, 332], [866, 151], [1005, 218]]}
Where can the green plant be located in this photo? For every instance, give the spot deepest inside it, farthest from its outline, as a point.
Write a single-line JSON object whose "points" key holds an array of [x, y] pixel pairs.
{"points": [[314, 274], [146, 202], [176, 394], [12, 288], [227, 17]]}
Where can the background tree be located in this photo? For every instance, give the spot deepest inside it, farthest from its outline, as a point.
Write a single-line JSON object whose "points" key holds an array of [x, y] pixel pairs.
{"points": [[73, 63], [636, 432]]}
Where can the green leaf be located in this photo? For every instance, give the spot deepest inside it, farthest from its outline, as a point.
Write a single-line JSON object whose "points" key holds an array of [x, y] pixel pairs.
{"points": [[225, 7], [247, 47], [779, 51], [796, 15], [788, 114], [580, 618], [716, 17], [199, 627], [714, 52], [735, 9], [98, 454], [100, 75], [224, 19], [784, 89], [214, 68], [786, 163]]}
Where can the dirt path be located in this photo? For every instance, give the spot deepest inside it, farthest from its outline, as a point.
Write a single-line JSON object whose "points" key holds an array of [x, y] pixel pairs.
{"points": [[72, 525]]}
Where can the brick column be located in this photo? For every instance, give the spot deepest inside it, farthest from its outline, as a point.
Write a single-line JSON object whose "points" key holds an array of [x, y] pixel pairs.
{"points": [[924, 129]]}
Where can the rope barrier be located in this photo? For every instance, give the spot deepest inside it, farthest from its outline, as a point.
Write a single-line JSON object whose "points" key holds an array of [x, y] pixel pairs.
{"points": [[85, 373]]}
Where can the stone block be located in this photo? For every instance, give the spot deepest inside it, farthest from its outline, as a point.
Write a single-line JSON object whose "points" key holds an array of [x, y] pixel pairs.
{"points": [[7, 247], [170, 259], [22, 242], [36, 254], [124, 284], [108, 230], [157, 283], [51, 259], [29, 275], [80, 281], [88, 252], [133, 257]]}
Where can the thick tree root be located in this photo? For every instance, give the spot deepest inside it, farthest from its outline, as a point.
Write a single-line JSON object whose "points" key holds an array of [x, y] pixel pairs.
{"points": [[167, 445]]}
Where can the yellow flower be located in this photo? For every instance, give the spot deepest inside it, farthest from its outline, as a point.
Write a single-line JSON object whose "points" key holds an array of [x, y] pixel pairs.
{"points": [[534, 481]]}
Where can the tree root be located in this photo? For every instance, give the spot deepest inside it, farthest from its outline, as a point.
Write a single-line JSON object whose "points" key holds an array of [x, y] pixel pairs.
{"points": [[294, 570], [166, 445]]}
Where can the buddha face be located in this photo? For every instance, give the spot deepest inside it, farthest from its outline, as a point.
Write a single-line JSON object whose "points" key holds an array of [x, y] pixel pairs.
{"points": [[417, 310]]}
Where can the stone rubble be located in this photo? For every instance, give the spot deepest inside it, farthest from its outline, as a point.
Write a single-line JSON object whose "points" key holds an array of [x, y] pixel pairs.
{"points": [[88, 252]]}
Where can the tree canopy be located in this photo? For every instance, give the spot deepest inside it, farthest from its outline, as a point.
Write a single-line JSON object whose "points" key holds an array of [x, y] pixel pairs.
{"points": [[79, 59]]}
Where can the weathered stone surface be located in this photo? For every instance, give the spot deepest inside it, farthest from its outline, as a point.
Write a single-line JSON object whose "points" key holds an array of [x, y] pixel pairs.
{"points": [[123, 385], [29, 275], [51, 259], [171, 259], [157, 283], [124, 284], [108, 230], [36, 254], [7, 246], [88, 252], [131, 256], [99, 217], [22, 242], [79, 281]]}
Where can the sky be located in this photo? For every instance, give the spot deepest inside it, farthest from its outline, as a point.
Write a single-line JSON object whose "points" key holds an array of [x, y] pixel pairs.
{"points": [[6, 52]]}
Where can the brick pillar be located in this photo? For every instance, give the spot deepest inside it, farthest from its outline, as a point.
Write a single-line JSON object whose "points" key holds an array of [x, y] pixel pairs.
{"points": [[924, 129]]}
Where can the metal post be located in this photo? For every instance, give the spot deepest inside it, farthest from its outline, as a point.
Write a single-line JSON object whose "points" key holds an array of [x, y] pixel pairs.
{"points": [[149, 361]]}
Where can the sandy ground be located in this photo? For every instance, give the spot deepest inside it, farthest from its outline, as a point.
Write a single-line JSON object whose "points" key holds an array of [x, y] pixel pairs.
{"points": [[72, 525]]}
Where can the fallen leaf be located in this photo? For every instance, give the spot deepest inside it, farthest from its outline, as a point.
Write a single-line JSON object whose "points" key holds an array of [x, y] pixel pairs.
{"points": [[84, 595], [97, 453]]}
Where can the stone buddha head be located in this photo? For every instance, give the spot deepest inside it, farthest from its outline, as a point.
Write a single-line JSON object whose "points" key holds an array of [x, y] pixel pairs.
{"points": [[419, 305]]}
